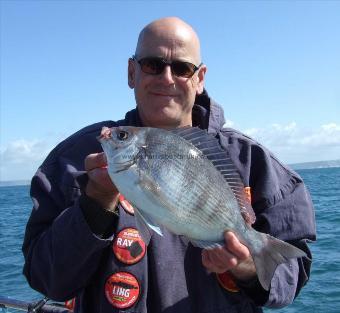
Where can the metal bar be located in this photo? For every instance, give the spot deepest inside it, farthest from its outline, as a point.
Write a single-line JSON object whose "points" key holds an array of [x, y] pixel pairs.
{"points": [[8, 303], [13, 304]]}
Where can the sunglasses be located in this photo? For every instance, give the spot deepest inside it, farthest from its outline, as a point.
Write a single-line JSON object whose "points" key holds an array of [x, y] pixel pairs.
{"points": [[155, 66]]}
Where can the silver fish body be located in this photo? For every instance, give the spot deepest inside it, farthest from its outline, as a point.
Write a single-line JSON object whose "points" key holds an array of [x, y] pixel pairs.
{"points": [[172, 183]]}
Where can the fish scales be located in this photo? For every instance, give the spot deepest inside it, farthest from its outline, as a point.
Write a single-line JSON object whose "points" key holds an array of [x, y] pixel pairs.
{"points": [[191, 181], [200, 205], [174, 183], [196, 202]]}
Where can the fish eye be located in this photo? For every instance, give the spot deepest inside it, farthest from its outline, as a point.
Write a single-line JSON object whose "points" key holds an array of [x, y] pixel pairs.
{"points": [[122, 135]]}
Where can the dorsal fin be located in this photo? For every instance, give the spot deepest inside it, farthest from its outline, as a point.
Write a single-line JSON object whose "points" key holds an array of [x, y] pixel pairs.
{"points": [[211, 148]]}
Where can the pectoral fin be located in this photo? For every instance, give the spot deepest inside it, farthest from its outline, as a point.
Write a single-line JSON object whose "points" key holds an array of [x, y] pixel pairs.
{"points": [[145, 224]]}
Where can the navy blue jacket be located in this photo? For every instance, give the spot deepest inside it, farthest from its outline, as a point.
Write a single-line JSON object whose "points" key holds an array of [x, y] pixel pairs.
{"points": [[68, 241]]}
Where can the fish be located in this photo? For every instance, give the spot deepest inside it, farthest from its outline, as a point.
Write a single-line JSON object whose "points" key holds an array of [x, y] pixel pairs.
{"points": [[183, 180]]}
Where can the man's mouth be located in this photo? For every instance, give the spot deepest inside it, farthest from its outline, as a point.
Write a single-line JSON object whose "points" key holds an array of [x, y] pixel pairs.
{"points": [[163, 94]]}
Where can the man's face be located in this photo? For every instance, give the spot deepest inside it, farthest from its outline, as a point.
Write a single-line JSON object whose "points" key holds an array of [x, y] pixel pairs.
{"points": [[165, 100]]}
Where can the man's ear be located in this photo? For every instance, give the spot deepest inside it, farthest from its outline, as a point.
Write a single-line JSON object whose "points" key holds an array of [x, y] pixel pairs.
{"points": [[131, 73], [200, 76]]}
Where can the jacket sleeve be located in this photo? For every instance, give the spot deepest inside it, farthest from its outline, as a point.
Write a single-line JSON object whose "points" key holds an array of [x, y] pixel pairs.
{"points": [[61, 252], [283, 208], [61, 249], [289, 218]]}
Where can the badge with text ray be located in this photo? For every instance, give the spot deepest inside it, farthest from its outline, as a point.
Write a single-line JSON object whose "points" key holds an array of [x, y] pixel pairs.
{"points": [[128, 246]]}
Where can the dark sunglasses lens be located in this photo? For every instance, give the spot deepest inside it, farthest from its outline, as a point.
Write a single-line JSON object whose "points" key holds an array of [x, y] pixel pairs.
{"points": [[183, 69], [156, 66], [152, 65]]}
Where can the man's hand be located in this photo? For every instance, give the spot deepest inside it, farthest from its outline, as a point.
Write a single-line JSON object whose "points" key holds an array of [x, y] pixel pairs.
{"points": [[233, 256], [100, 186]]}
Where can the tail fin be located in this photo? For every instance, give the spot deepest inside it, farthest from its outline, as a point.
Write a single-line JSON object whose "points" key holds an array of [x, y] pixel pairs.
{"points": [[273, 253]]}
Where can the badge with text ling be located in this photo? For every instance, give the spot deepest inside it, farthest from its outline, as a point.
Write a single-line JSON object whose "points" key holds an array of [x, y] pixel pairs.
{"points": [[122, 290]]}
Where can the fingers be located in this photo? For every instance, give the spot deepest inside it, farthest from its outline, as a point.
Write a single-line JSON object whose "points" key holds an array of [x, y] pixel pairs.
{"points": [[235, 246], [101, 179], [100, 186], [95, 160], [227, 257], [96, 167], [218, 260]]}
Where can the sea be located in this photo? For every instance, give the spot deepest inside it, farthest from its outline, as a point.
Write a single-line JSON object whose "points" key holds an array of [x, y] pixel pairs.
{"points": [[321, 294]]}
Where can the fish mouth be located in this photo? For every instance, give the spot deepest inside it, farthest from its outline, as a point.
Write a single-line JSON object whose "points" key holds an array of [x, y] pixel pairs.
{"points": [[106, 133]]}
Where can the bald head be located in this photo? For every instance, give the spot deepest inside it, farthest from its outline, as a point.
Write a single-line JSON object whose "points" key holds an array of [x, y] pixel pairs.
{"points": [[169, 32], [165, 98]]}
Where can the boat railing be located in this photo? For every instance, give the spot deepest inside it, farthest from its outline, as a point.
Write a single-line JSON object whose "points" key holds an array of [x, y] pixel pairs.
{"points": [[41, 306]]}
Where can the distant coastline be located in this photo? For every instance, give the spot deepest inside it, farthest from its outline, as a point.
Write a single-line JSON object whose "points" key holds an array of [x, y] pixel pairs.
{"points": [[9, 183], [318, 164], [294, 166]]}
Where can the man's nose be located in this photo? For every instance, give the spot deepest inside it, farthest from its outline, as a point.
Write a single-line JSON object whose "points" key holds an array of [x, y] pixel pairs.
{"points": [[167, 75]]}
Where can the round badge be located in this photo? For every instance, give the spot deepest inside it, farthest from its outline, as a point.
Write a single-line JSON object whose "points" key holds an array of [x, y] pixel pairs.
{"points": [[128, 246], [122, 290], [126, 205], [227, 282]]}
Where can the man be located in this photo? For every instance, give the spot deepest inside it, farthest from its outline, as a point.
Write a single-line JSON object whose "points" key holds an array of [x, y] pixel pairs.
{"points": [[81, 240]]}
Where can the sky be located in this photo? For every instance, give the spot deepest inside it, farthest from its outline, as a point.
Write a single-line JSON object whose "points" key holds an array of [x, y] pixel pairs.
{"points": [[272, 65]]}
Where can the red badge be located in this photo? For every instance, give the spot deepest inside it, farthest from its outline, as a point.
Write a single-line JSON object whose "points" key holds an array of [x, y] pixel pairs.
{"points": [[226, 280], [122, 290], [70, 304], [128, 246], [126, 205]]}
